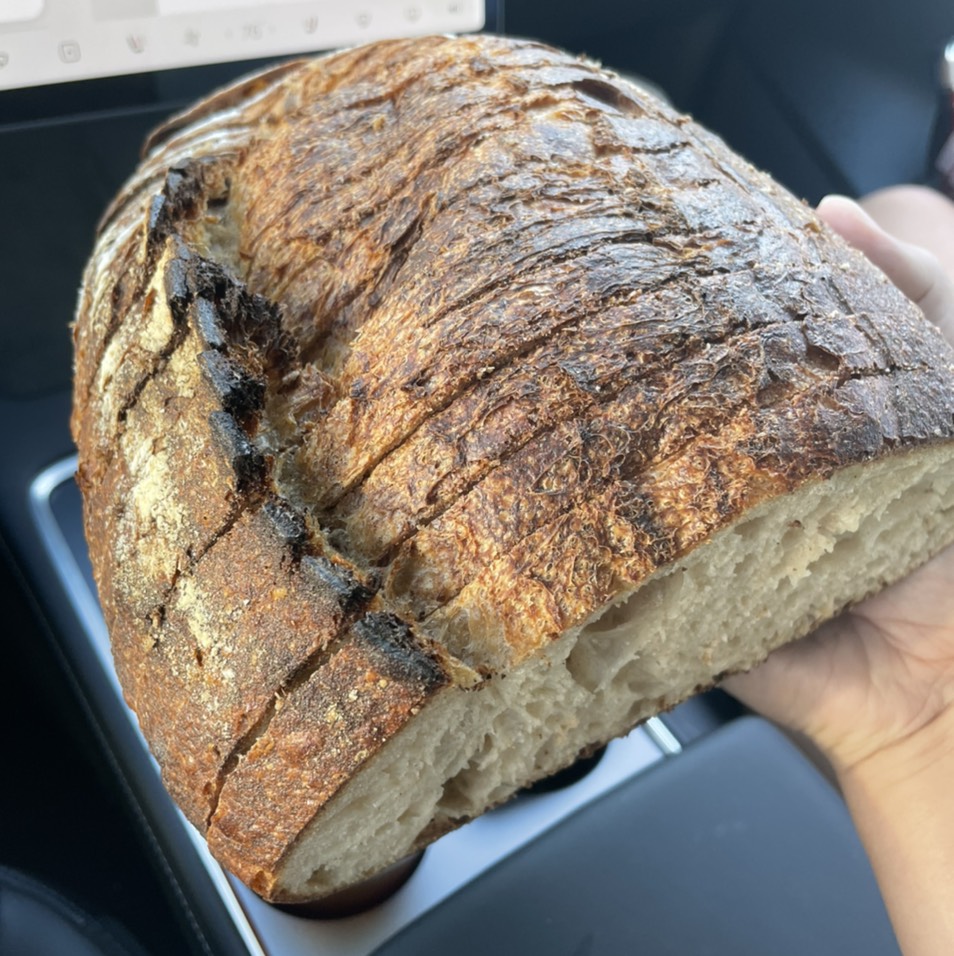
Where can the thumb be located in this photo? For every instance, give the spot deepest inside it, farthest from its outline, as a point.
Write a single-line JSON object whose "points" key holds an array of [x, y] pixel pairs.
{"points": [[914, 270]]}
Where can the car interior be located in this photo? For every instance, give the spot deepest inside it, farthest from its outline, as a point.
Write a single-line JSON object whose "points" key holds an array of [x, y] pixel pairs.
{"points": [[705, 831]]}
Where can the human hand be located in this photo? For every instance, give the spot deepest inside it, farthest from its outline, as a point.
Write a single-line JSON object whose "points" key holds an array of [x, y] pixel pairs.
{"points": [[882, 673], [908, 233]]}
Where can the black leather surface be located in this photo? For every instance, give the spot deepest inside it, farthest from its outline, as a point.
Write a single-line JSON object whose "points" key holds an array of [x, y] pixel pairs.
{"points": [[736, 847], [37, 921]]}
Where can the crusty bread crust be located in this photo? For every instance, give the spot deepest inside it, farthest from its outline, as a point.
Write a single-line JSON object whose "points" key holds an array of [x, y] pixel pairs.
{"points": [[394, 366]]}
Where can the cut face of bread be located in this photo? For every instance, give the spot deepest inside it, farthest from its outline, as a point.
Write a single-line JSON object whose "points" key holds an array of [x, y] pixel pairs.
{"points": [[447, 407], [802, 559]]}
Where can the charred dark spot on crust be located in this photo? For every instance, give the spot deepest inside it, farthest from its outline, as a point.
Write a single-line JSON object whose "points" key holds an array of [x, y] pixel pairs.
{"points": [[403, 656], [288, 523], [156, 208], [852, 436], [241, 394], [181, 198], [351, 593], [279, 348], [822, 357], [229, 318], [176, 283], [247, 462], [206, 318], [223, 312]]}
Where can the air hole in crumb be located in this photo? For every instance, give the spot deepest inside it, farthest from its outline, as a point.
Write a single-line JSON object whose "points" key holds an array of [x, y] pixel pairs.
{"points": [[568, 776]]}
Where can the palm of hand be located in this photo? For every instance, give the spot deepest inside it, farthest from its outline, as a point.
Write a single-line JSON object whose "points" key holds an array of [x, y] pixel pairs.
{"points": [[871, 677]]}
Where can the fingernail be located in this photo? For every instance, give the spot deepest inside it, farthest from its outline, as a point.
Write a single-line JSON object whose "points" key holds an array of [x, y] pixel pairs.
{"points": [[849, 205]]}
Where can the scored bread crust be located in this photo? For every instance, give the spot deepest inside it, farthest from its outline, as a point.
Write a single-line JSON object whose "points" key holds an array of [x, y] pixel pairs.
{"points": [[396, 366]]}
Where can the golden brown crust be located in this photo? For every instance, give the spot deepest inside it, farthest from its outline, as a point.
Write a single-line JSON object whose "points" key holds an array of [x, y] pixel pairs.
{"points": [[422, 353], [325, 730], [222, 647]]}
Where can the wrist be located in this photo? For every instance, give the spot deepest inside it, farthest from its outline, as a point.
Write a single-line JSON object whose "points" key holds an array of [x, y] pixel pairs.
{"points": [[900, 799], [921, 758]]}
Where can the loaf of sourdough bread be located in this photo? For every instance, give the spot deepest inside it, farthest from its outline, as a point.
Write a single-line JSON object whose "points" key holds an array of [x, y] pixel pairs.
{"points": [[446, 407]]}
